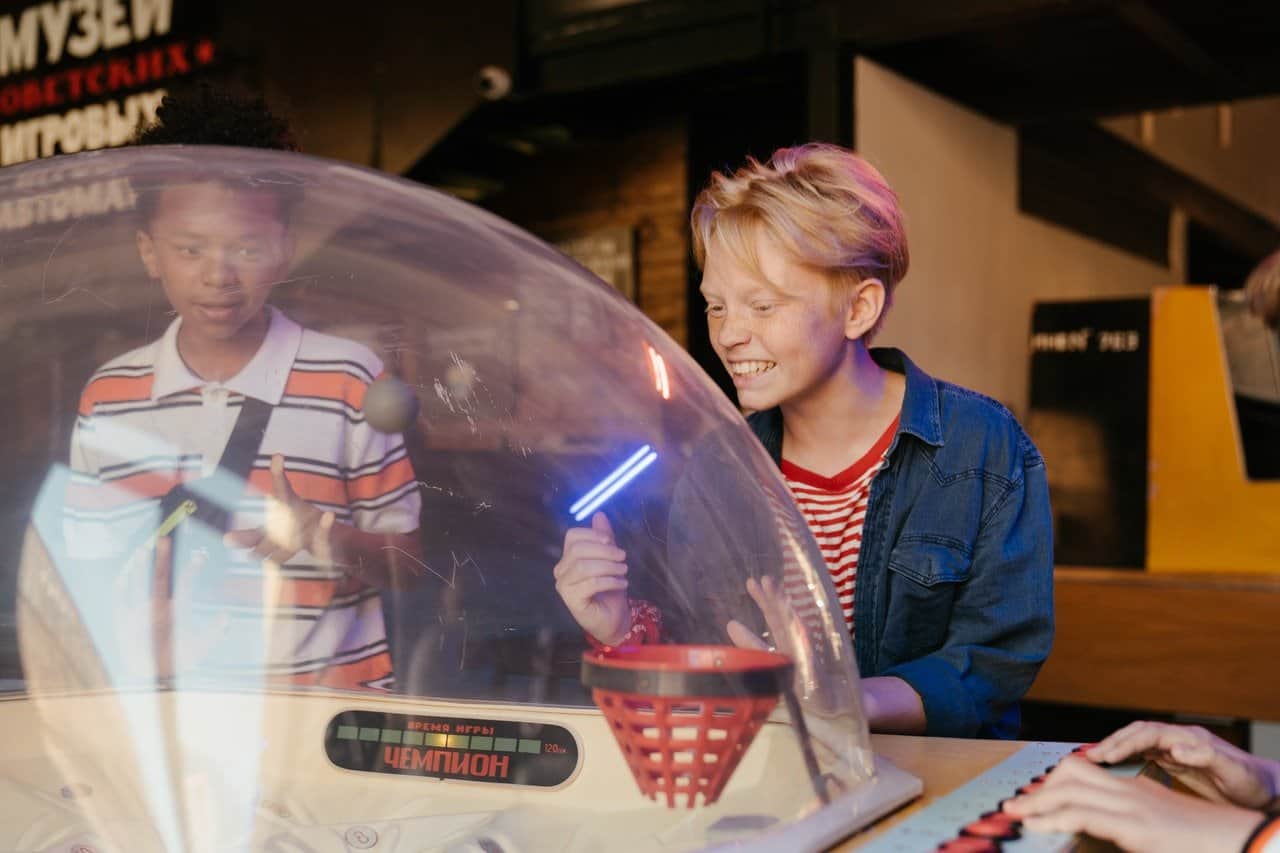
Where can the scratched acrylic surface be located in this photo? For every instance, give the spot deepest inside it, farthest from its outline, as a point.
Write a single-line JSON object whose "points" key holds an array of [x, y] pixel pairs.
{"points": [[279, 424]]}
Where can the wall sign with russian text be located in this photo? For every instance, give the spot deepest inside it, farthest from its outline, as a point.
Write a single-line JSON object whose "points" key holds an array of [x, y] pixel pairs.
{"points": [[79, 75]]}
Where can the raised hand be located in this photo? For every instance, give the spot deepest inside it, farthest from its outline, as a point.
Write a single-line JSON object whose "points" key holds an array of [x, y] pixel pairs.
{"points": [[789, 637], [778, 613], [591, 578], [291, 525]]}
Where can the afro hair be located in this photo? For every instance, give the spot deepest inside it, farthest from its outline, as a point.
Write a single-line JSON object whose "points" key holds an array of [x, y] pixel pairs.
{"points": [[208, 116]]}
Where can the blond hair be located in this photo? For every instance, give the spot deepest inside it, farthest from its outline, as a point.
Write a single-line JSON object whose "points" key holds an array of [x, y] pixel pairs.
{"points": [[825, 206], [1262, 290]]}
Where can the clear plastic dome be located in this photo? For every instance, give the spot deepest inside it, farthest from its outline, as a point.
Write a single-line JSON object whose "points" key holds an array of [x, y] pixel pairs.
{"points": [[397, 405]]}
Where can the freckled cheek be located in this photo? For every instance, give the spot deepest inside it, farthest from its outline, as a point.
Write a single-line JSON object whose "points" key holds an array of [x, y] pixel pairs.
{"points": [[790, 334]]}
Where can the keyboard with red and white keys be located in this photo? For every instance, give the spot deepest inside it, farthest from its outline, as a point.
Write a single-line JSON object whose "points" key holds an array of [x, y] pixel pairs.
{"points": [[969, 819]]}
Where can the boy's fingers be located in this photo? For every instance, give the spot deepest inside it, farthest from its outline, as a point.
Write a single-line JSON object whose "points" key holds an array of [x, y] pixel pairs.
{"points": [[1138, 738], [742, 637], [322, 543], [1097, 822], [584, 569], [1066, 792], [279, 482], [1122, 739], [576, 537], [777, 611], [244, 538], [592, 571], [1076, 770], [600, 524], [585, 534], [583, 591], [1199, 755], [264, 549], [766, 593], [588, 553], [1145, 737], [262, 544], [604, 583], [277, 557], [595, 551]]}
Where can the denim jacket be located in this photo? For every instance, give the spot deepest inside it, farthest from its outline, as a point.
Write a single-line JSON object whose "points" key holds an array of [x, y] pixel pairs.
{"points": [[954, 590]]}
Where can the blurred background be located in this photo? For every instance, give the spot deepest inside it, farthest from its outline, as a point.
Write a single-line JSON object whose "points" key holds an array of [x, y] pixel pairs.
{"points": [[1059, 161]]}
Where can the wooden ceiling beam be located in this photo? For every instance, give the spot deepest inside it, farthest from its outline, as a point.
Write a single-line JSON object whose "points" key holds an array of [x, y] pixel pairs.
{"points": [[1173, 41]]}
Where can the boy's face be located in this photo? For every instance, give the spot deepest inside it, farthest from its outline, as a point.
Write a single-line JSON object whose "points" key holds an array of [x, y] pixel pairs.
{"points": [[217, 251], [779, 331]]}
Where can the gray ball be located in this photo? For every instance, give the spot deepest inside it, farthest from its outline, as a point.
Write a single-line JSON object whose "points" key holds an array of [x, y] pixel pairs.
{"points": [[390, 406]]}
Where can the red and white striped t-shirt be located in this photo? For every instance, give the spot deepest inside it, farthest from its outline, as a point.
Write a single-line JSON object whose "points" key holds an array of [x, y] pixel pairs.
{"points": [[835, 508]]}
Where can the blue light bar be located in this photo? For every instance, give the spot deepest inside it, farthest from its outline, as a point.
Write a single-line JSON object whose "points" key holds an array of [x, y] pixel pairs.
{"points": [[626, 477], [608, 481]]}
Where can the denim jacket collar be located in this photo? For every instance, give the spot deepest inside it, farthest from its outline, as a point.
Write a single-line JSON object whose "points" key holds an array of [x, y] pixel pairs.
{"points": [[921, 409]]}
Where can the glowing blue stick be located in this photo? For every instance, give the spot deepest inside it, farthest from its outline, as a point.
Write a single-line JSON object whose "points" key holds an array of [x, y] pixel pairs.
{"points": [[608, 481], [609, 492]]}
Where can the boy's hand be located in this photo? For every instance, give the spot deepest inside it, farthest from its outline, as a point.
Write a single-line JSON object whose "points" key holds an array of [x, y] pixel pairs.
{"points": [[291, 525], [790, 638], [591, 577], [1135, 814], [1203, 762], [779, 616]]}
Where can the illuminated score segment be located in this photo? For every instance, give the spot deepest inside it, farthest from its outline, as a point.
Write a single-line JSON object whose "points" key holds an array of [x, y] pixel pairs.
{"points": [[419, 738], [502, 751]]}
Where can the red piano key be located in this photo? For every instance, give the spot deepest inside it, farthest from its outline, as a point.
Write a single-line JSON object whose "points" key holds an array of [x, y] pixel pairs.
{"points": [[1000, 828], [969, 845]]}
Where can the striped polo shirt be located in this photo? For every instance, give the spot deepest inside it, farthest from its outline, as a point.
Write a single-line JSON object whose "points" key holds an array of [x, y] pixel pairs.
{"points": [[835, 509], [146, 423]]}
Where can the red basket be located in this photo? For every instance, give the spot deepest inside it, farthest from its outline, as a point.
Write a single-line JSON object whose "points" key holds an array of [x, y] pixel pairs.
{"points": [[685, 715]]}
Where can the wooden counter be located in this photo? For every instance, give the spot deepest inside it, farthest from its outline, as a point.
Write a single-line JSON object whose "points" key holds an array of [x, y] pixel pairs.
{"points": [[1194, 644]]}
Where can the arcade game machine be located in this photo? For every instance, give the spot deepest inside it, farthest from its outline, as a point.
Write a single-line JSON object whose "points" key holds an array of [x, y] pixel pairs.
{"points": [[306, 601], [1161, 419], [1215, 435]]}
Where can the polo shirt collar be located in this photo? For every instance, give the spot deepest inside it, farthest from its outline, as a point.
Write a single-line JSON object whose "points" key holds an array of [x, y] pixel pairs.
{"points": [[263, 378]]}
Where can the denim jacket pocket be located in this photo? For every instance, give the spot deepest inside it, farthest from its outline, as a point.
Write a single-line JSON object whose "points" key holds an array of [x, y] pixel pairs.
{"points": [[923, 575], [930, 560]]}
